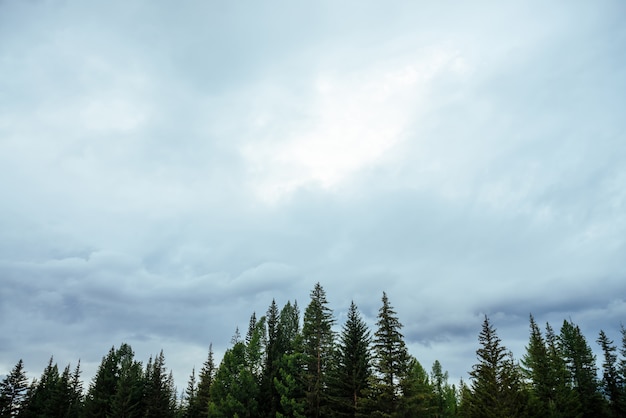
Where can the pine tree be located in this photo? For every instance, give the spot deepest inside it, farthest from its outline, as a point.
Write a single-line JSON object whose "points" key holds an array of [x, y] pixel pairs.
{"points": [[391, 358], [318, 348], [353, 369], [13, 389]]}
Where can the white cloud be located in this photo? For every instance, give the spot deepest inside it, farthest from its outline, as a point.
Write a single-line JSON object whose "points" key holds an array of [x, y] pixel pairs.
{"points": [[352, 121]]}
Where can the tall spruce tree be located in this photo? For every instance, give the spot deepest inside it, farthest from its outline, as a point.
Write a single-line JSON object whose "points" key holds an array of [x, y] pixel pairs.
{"points": [[318, 349], [159, 392], [352, 372], [538, 370], [391, 358], [199, 406], [269, 397], [495, 378], [13, 389], [610, 376], [417, 398], [444, 394], [621, 370], [234, 391], [564, 398], [289, 382], [189, 396], [581, 364]]}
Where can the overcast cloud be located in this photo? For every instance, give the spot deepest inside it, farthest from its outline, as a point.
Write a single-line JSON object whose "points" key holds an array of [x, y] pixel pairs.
{"points": [[167, 168]]}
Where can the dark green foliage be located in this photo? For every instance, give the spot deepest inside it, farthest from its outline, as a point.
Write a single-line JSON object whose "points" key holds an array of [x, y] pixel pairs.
{"points": [[611, 380], [289, 382], [542, 374], [621, 370], [52, 396], [129, 389], [496, 379], [13, 389], [277, 370], [352, 370], [273, 352], [581, 364], [318, 349], [234, 391], [445, 402], [417, 398], [189, 397], [391, 358], [199, 404], [159, 393]]}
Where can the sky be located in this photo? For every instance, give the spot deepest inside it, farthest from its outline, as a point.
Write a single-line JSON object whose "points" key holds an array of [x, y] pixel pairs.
{"points": [[168, 168]]}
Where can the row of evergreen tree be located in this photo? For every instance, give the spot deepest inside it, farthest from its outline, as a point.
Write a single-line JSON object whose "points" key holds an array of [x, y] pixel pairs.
{"points": [[283, 369]]}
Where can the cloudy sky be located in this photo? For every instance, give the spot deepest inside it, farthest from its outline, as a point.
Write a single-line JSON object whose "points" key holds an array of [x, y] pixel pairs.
{"points": [[167, 168]]}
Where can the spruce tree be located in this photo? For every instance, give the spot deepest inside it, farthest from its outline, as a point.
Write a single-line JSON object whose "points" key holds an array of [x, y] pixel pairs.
{"points": [[565, 402], [445, 397], [318, 347], [621, 370], [13, 389], [234, 391], [159, 390], [352, 372], [610, 376], [581, 364], [289, 382], [417, 398], [537, 368], [189, 396], [391, 358], [495, 378], [199, 406], [269, 397]]}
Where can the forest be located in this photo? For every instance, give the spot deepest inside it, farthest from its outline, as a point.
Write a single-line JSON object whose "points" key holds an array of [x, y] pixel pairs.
{"points": [[285, 367]]}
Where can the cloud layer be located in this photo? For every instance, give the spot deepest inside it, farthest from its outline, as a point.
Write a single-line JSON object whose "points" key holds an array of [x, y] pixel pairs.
{"points": [[167, 170]]}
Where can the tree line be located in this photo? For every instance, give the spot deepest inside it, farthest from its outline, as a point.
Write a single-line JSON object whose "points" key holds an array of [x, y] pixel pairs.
{"points": [[285, 367]]}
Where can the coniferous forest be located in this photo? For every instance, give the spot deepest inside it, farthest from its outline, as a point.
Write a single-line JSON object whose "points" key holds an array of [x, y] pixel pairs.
{"points": [[290, 364]]}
